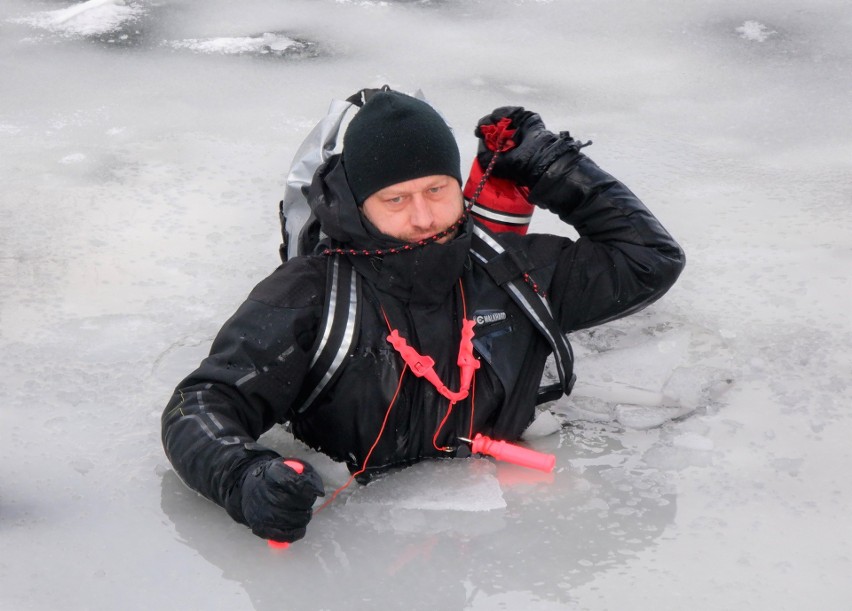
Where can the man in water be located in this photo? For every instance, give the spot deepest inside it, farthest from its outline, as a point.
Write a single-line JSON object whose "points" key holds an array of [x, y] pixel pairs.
{"points": [[442, 346]]}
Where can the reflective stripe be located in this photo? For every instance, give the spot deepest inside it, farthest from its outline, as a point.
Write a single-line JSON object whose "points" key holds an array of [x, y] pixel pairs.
{"points": [[250, 376], [246, 378], [339, 330], [506, 218], [485, 237], [332, 308], [205, 419], [348, 336]]}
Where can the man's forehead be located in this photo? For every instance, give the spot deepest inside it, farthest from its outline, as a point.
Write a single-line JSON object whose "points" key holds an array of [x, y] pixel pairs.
{"points": [[416, 184]]}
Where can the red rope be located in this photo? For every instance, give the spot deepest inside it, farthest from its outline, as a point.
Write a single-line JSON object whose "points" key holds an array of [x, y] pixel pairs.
{"points": [[373, 447], [472, 403], [438, 430]]}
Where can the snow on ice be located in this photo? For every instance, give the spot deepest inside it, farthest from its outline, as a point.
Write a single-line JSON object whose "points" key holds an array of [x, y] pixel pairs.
{"points": [[265, 43], [90, 18], [702, 459], [756, 31]]}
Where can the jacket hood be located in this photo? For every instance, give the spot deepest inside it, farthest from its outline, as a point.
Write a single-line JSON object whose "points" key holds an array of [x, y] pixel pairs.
{"points": [[425, 274]]}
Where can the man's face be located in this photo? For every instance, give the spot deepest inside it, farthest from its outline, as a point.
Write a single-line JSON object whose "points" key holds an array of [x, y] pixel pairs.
{"points": [[416, 209]]}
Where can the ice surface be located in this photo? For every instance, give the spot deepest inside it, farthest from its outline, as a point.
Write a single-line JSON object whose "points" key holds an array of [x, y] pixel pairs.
{"points": [[446, 485], [701, 463], [643, 372]]}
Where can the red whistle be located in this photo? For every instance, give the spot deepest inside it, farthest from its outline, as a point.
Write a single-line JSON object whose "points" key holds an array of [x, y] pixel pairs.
{"points": [[511, 453]]}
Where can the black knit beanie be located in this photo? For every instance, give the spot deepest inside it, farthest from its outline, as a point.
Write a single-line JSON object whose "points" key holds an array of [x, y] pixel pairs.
{"points": [[393, 138]]}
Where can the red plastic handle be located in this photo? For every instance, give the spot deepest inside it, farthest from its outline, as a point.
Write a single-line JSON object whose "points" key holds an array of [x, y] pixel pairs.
{"points": [[295, 465], [298, 468], [511, 453]]}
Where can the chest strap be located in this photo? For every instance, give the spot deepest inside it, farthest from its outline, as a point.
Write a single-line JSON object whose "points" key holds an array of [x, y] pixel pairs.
{"points": [[506, 268]]}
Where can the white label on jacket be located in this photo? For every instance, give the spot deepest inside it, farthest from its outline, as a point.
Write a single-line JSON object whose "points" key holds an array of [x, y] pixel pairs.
{"points": [[486, 318]]}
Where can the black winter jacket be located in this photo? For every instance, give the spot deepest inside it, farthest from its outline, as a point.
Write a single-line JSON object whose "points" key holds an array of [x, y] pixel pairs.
{"points": [[623, 261]]}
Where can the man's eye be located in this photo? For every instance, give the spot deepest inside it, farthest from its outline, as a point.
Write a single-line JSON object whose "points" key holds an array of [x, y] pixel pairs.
{"points": [[395, 200], [436, 189]]}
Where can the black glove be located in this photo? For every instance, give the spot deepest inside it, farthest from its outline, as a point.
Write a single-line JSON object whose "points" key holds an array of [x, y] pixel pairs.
{"points": [[528, 148], [277, 498]]}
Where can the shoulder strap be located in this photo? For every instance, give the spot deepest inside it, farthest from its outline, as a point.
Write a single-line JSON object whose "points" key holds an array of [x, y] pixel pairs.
{"points": [[506, 268], [338, 330]]}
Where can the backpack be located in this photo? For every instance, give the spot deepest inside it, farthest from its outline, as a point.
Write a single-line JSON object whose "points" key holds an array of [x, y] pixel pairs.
{"points": [[338, 331]]}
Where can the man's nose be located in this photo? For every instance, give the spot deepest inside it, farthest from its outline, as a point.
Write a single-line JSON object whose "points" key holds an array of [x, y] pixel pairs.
{"points": [[421, 212]]}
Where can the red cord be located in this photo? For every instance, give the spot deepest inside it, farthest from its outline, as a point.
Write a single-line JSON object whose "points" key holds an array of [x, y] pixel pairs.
{"points": [[373, 447], [438, 430], [472, 403], [463, 301]]}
